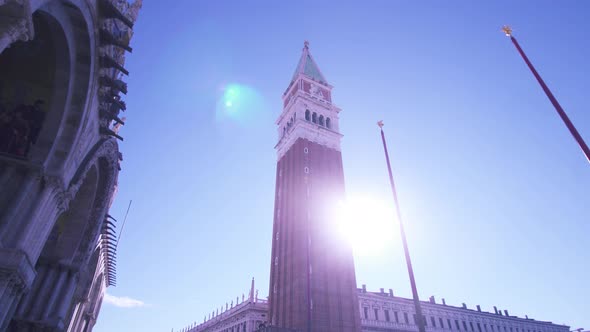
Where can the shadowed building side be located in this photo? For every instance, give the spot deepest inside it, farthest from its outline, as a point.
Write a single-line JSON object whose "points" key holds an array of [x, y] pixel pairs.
{"points": [[61, 70]]}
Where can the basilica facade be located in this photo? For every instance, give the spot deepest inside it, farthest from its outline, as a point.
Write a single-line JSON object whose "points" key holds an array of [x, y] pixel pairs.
{"points": [[61, 87]]}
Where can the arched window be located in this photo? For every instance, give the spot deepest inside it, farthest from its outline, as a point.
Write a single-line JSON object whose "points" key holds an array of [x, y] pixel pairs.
{"points": [[321, 120], [307, 115], [314, 117], [328, 124], [284, 131]]}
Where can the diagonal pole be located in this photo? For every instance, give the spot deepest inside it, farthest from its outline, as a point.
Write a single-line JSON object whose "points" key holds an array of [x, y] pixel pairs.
{"points": [[419, 316], [123, 225], [508, 31]]}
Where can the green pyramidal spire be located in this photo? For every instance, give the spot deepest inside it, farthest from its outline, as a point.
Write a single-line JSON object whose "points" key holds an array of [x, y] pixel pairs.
{"points": [[308, 67]]}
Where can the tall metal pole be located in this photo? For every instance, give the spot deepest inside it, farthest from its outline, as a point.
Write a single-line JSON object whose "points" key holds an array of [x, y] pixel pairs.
{"points": [[508, 31], [419, 316]]}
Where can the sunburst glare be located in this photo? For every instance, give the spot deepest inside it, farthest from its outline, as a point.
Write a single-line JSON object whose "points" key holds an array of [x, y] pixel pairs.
{"points": [[367, 223]]}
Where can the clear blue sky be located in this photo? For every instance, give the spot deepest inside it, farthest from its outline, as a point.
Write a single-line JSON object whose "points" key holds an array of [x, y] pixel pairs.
{"points": [[494, 191]]}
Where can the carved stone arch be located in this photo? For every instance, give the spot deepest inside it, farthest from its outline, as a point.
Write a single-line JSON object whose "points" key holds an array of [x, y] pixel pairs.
{"points": [[105, 148], [37, 69], [56, 277], [87, 297], [62, 266], [89, 273], [79, 22], [64, 39], [103, 200], [72, 223], [105, 156]]}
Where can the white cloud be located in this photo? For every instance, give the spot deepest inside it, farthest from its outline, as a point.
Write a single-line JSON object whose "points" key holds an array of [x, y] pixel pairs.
{"points": [[123, 301]]}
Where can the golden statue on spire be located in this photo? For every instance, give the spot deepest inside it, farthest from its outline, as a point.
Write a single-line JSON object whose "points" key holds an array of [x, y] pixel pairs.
{"points": [[507, 30]]}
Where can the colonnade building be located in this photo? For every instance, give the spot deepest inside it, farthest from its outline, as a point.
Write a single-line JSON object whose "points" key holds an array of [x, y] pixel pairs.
{"points": [[61, 87], [380, 311]]}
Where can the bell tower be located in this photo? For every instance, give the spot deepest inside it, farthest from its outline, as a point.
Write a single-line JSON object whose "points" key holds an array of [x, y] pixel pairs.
{"points": [[312, 281]]}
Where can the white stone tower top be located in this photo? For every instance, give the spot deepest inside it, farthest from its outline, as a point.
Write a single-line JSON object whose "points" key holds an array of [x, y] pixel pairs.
{"points": [[308, 111]]}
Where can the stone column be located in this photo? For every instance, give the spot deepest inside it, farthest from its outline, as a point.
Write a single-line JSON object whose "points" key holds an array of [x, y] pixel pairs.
{"points": [[67, 295], [5, 298], [36, 226], [10, 312], [7, 175], [6, 170], [25, 304], [16, 275], [12, 182], [18, 187], [84, 325], [56, 290], [90, 321], [45, 287], [75, 321], [32, 214]]}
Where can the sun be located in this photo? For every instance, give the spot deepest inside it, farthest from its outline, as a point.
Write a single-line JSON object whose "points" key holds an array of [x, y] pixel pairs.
{"points": [[367, 223]]}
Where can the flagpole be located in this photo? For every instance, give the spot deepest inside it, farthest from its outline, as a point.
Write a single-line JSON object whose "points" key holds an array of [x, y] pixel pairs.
{"points": [[419, 316], [508, 31]]}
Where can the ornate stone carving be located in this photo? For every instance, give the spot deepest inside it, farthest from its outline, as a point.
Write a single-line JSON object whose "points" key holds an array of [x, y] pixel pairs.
{"points": [[308, 130], [57, 187], [16, 269], [106, 158], [17, 14], [123, 33]]}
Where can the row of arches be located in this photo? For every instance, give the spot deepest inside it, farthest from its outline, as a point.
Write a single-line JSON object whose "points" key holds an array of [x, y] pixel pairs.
{"points": [[313, 117], [310, 117], [67, 266]]}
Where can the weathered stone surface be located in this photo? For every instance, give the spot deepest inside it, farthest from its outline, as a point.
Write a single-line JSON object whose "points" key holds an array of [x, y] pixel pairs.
{"points": [[58, 167]]}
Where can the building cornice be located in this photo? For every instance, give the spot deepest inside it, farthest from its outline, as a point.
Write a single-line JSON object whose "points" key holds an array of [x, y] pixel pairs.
{"points": [[311, 132]]}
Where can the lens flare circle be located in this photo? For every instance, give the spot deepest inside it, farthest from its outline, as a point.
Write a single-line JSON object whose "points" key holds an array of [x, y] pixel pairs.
{"points": [[239, 103]]}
